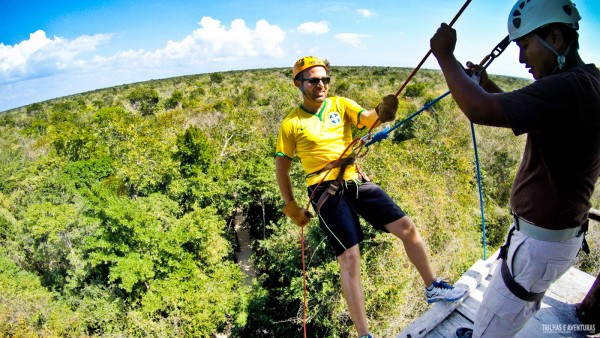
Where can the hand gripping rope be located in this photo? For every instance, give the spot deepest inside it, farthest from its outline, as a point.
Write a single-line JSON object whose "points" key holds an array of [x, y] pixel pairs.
{"points": [[412, 74], [484, 63], [360, 142]]}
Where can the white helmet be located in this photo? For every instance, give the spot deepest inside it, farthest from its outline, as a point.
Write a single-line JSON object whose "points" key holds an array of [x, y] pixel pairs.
{"points": [[529, 15]]}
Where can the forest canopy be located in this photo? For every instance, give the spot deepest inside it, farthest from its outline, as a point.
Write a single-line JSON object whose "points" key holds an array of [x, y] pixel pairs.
{"points": [[117, 208]]}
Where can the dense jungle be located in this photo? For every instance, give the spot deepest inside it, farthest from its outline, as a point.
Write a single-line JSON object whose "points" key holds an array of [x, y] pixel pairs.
{"points": [[120, 208]]}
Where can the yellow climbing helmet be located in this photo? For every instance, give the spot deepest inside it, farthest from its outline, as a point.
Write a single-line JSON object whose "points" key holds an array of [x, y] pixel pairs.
{"points": [[307, 62]]}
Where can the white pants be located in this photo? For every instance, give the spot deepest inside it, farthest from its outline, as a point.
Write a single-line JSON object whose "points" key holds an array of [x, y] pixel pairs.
{"points": [[535, 265]]}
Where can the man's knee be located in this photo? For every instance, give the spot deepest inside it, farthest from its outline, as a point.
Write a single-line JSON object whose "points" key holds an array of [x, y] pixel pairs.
{"points": [[404, 228], [350, 258]]}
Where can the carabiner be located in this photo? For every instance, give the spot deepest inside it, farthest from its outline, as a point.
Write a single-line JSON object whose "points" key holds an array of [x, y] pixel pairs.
{"points": [[359, 149], [500, 47]]}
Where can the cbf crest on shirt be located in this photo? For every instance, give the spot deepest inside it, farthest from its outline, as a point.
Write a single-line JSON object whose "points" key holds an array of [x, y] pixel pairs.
{"points": [[335, 118], [319, 138]]}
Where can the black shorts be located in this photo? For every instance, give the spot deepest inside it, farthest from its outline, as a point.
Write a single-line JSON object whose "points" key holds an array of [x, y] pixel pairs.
{"points": [[338, 216]]}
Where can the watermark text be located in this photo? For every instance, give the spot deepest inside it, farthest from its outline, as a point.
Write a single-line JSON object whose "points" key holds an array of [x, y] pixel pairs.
{"points": [[568, 328]]}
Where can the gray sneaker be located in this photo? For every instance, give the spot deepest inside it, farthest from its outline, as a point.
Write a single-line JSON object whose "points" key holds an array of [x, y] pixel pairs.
{"points": [[440, 290]]}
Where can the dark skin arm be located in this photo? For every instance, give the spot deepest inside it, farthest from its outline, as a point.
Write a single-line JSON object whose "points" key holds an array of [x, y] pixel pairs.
{"points": [[477, 104]]}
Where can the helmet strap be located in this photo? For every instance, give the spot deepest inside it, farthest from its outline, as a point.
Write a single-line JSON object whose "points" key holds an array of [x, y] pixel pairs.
{"points": [[560, 58]]}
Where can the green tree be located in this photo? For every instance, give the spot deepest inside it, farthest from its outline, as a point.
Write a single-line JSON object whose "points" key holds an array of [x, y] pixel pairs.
{"points": [[194, 151], [144, 99], [175, 100], [116, 218], [29, 310]]}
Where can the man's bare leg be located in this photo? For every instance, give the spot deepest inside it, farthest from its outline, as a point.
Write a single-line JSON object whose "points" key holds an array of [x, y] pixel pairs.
{"points": [[405, 229], [352, 290]]}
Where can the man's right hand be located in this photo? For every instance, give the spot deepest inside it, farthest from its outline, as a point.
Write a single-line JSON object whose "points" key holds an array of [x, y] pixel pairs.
{"points": [[477, 69], [299, 215], [443, 42]]}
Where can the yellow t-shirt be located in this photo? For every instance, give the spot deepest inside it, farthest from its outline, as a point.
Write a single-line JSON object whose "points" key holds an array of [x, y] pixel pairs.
{"points": [[318, 139]]}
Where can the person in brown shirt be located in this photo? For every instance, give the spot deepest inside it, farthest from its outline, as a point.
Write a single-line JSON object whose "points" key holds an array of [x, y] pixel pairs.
{"points": [[550, 197]]}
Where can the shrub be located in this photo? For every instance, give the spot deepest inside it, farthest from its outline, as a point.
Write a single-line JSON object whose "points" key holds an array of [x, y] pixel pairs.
{"points": [[144, 99]]}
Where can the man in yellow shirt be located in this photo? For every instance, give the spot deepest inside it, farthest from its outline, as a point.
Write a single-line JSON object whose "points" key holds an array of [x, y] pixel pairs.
{"points": [[318, 132]]}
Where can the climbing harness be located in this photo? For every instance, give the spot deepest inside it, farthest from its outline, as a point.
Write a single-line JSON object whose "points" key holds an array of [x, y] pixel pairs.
{"points": [[542, 234], [335, 185], [548, 235], [335, 164], [514, 287], [357, 146]]}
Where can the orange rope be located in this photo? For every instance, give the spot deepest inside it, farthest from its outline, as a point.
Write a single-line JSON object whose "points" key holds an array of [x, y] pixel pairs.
{"points": [[304, 281], [462, 9]]}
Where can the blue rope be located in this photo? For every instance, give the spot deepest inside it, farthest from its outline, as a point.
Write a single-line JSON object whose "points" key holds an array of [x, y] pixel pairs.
{"points": [[480, 187], [382, 135]]}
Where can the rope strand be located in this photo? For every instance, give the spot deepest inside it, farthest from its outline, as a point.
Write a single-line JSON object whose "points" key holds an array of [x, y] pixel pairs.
{"points": [[462, 9]]}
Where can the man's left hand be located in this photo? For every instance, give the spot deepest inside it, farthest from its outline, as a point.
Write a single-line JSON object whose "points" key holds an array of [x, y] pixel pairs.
{"points": [[386, 109]]}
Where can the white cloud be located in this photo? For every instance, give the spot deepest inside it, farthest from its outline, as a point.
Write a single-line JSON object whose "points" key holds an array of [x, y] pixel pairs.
{"points": [[212, 42], [355, 40], [269, 38], [40, 56], [317, 28], [367, 13]]}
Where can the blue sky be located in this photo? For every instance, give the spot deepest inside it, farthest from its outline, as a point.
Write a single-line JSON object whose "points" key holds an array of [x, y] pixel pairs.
{"points": [[50, 49]]}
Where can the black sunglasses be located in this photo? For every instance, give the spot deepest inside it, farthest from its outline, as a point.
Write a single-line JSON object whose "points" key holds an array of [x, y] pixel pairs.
{"points": [[315, 80]]}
